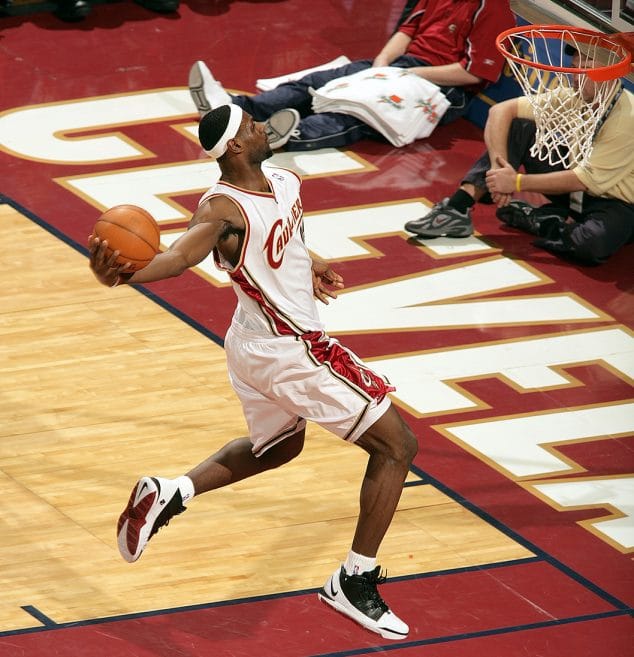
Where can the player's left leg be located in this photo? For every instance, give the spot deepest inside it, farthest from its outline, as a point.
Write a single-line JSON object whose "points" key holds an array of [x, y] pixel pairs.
{"points": [[352, 588]]}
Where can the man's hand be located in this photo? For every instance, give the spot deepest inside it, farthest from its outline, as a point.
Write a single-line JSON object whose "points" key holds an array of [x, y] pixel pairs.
{"points": [[103, 265], [324, 280], [501, 182]]}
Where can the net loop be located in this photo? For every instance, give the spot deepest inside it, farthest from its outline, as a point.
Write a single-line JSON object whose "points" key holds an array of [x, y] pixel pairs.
{"points": [[569, 102]]}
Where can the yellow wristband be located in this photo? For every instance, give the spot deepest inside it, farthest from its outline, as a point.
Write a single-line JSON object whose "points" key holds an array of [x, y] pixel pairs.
{"points": [[518, 182]]}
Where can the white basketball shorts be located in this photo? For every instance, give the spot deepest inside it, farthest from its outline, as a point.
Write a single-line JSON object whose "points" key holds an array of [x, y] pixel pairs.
{"points": [[284, 381]]}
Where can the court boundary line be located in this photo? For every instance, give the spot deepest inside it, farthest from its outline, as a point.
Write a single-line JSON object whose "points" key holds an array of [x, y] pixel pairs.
{"points": [[406, 645], [50, 624]]}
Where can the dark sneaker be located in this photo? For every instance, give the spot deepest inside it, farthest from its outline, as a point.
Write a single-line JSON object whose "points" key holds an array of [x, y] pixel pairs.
{"points": [[524, 216], [281, 126], [442, 220], [153, 502], [356, 596]]}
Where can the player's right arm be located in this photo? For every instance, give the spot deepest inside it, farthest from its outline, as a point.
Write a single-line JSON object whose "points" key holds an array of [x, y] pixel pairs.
{"points": [[210, 221]]}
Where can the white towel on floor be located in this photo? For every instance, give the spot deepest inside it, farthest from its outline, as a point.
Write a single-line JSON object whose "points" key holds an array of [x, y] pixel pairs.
{"points": [[394, 101]]}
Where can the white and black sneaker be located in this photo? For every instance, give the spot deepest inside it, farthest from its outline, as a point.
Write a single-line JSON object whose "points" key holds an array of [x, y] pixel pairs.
{"points": [[356, 596], [536, 221], [442, 220], [281, 126], [153, 502], [206, 92]]}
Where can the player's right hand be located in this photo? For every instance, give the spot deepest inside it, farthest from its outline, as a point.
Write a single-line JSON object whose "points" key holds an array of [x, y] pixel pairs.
{"points": [[104, 264]]}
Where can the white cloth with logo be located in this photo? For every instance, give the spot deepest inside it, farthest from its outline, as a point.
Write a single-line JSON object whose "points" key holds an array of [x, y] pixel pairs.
{"points": [[394, 101]]}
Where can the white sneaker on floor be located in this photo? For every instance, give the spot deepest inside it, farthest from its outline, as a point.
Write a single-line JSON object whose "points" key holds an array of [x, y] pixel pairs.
{"points": [[206, 92], [281, 126], [153, 502], [356, 596]]}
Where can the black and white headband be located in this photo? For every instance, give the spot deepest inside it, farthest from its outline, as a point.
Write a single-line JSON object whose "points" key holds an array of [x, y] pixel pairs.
{"points": [[233, 125]]}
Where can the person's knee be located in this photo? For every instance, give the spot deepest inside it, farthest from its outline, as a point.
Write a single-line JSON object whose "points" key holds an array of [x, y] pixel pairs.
{"points": [[391, 437], [411, 443], [284, 451], [590, 242]]}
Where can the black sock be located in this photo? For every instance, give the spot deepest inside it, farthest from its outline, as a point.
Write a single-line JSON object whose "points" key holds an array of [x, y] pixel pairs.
{"points": [[461, 201]]}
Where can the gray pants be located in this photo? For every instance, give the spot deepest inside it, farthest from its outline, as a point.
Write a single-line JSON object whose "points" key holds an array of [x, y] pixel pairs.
{"points": [[602, 227]]}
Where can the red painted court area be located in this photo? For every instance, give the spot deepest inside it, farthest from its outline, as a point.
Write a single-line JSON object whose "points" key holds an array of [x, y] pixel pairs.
{"points": [[458, 613], [574, 597]]}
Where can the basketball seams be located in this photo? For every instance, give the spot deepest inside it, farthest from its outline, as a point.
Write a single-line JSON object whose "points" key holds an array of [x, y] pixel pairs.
{"points": [[128, 229], [132, 231]]}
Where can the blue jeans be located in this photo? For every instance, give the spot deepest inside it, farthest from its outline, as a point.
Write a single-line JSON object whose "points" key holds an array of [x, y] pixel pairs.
{"points": [[330, 129]]}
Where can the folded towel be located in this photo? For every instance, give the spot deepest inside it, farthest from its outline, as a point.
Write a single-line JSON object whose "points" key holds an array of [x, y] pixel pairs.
{"points": [[394, 101]]}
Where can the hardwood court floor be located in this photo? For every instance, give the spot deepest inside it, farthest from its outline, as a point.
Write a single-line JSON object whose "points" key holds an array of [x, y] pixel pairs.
{"points": [[514, 368], [102, 388]]}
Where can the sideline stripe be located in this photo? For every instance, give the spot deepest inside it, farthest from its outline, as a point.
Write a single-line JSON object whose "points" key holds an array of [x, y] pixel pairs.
{"points": [[238, 601], [43, 618], [494, 522], [84, 251], [404, 645]]}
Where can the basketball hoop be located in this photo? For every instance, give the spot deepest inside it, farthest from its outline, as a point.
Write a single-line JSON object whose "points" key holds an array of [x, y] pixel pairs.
{"points": [[569, 103]]}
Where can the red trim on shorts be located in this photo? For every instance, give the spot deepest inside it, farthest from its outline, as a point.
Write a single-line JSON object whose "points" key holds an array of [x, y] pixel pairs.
{"points": [[343, 363]]}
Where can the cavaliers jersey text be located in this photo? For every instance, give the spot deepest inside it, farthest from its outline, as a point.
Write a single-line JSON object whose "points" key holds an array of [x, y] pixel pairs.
{"points": [[273, 277]]}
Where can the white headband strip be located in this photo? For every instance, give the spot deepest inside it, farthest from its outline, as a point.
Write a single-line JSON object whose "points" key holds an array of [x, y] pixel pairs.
{"points": [[235, 119]]}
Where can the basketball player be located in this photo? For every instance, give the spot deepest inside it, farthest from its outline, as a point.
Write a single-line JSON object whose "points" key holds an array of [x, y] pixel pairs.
{"points": [[283, 366], [449, 43], [590, 234]]}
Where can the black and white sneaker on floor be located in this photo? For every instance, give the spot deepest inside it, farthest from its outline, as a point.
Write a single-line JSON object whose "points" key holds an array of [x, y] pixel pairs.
{"points": [[153, 502], [442, 221], [533, 220], [356, 596], [281, 126], [206, 92]]}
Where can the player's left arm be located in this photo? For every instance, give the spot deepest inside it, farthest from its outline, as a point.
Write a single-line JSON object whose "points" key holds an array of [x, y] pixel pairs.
{"points": [[325, 281]]}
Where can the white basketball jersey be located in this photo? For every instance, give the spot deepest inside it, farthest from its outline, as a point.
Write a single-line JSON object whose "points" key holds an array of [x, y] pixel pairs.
{"points": [[273, 279]]}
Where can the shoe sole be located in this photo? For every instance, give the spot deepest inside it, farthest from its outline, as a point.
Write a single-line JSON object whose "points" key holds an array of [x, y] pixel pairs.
{"points": [[281, 137], [197, 92], [466, 232], [136, 522], [359, 618]]}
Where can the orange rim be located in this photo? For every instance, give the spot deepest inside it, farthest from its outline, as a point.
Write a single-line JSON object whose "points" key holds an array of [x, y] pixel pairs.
{"points": [[582, 35]]}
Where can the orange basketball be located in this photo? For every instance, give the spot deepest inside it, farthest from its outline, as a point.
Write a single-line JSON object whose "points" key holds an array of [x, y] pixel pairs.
{"points": [[132, 231]]}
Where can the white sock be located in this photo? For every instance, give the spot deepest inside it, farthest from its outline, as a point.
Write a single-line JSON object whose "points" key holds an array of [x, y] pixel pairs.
{"points": [[186, 488], [357, 563]]}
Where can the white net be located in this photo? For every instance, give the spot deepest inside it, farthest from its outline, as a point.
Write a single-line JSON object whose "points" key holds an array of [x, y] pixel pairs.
{"points": [[570, 97]]}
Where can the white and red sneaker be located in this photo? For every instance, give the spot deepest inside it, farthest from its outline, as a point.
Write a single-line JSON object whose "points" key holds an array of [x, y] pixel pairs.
{"points": [[153, 502]]}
